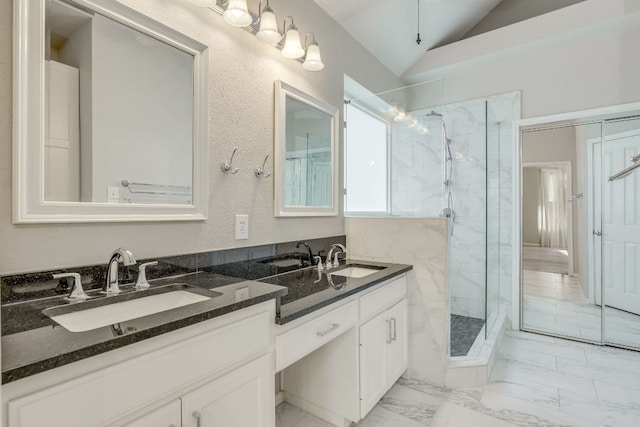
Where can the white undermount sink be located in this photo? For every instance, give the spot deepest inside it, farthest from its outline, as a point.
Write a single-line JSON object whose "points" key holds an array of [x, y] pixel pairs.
{"points": [[354, 272], [109, 314]]}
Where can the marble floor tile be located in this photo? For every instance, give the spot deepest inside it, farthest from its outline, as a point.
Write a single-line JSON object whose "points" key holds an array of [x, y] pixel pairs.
{"points": [[594, 387], [553, 347], [610, 374], [513, 351], [608, 413], [452, 415], [536, 394], [523, 373], [380, 417]]}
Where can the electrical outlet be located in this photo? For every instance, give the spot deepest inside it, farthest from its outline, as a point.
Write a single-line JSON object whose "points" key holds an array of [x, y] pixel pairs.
{"points": [[242, 227], [242, 294], [113, 194]]}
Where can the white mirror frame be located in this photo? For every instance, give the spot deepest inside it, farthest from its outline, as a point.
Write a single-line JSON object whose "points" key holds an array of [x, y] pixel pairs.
{"points": [[282, 91], [28, 123]]}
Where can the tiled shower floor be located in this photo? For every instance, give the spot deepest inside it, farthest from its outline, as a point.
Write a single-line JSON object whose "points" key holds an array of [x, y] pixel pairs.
{"points": [[464, 331]]}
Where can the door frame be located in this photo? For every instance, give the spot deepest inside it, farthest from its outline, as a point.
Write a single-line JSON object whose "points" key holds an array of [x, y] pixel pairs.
{"points": [[564, 165], [549, 121]]}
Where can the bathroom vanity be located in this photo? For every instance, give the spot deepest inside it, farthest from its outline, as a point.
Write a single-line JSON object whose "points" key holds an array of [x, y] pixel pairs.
{"points": [[337, 337]]}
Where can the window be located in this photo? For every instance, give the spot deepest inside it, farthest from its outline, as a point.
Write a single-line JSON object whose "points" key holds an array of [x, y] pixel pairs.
{"points": [[366, 162]]}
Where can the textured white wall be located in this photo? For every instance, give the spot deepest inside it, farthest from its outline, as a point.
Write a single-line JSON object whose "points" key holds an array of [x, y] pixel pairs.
{"points": [[242, 71]]}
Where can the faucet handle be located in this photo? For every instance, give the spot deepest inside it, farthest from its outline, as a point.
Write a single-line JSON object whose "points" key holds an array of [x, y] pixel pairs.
{"points": [[336, 262], [77, 293], [318, 260], [142, 283]]}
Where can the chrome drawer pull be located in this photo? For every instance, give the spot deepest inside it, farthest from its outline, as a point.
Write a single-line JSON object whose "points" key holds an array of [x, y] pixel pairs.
{"points": [[328, 331], [389, 339], [394, 336]]}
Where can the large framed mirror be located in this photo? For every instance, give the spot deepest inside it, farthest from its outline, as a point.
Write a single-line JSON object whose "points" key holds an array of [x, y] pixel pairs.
{"points": [[306, 154], [110, 115]]}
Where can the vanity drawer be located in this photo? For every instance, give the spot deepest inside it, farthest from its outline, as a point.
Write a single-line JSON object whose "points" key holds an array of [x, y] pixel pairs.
{"points": [[293, 345], [384, 297]]}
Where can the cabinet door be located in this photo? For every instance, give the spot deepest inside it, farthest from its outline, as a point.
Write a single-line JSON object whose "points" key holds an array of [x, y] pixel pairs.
{"points": [[374, 337], [241, 398], [398, 350], [167, 416]]}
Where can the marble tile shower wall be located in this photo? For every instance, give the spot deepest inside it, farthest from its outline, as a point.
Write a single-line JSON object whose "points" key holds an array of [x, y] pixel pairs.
{"points": [[466, 124], [416, 169], [416, 190]]}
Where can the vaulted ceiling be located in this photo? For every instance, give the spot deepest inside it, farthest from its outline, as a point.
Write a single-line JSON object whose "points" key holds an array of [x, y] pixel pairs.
{"points": [[388, 28]]}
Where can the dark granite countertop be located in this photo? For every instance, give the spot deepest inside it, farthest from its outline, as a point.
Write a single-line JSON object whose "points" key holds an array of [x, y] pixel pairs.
{"points": [[33, 343], [310, 289]]}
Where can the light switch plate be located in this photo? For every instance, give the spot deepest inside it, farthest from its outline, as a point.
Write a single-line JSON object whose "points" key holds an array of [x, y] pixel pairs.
{"points": [[242, 227]]}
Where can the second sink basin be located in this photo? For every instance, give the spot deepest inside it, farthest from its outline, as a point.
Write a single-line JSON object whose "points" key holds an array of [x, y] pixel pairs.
{"points": [[355, 272], [83, 317]]}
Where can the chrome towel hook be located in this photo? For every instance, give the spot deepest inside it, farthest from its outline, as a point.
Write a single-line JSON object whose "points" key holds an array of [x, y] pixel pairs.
{"points": [[260, 171], [227, 167]]}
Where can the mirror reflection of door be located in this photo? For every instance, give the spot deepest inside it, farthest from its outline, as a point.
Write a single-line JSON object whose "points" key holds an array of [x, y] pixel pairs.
{"points": [[556, 294], [621, 232], [581, 231]]}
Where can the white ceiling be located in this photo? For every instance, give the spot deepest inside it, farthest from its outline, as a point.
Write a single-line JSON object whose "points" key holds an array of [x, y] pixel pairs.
{"points": [[388, 28]]}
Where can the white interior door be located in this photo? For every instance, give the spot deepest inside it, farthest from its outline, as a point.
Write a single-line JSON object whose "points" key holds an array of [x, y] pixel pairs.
{"points": [[621, 219], [62, 133]]}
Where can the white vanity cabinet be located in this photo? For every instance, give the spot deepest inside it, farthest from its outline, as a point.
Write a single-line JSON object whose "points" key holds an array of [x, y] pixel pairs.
{"points": [[233, 400], [383, 354], [340, 379], [169, 415], [222, 369]]}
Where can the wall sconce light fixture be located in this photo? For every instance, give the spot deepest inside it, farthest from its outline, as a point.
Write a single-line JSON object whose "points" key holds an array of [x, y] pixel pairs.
{"points": [[313, 61], [268, 31], [237, 14], [292, 47], [265, 27]]}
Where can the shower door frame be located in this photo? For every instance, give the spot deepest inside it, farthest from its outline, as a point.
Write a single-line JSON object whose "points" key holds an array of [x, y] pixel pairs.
{"points": [[597, 115]]}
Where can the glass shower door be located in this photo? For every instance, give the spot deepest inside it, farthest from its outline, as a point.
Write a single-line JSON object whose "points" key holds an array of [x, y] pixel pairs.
{"points": [[493, 213], [620, 236]]}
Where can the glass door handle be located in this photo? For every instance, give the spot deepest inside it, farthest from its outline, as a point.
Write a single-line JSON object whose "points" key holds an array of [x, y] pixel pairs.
{"points": [[597, 233]]}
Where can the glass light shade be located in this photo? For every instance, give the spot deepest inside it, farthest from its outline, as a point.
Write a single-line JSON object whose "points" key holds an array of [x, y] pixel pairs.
{"points": [[204, 3], [313, 61], [237, 14], [268, 31], [292, 47]]}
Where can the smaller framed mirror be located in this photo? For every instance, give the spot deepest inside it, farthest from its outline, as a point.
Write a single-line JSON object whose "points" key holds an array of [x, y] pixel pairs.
{"points": [[306, 154]]}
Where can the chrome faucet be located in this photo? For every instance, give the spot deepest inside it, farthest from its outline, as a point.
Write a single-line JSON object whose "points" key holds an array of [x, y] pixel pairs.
{"points": [[335, 258], [111, 286], [309, 252]]}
